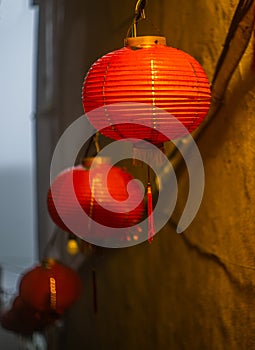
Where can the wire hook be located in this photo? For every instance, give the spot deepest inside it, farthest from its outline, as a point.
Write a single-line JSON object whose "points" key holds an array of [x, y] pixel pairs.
{"points": [[139, 10], [139, 14]]}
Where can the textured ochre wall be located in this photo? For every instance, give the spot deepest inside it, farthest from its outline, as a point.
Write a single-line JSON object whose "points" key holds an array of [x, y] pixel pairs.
{"points": [[189, 291]]}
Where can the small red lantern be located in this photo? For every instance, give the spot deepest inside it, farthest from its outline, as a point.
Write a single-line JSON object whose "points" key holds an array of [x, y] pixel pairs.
{"points": [[40, 319], [11, 322], [24, 319], [50, 287], [99, 201], [149, 84]]}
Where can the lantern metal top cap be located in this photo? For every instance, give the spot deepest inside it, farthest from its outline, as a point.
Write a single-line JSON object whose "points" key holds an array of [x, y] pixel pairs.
{"points": [[87, 162], [145, 41], [48, 262]]}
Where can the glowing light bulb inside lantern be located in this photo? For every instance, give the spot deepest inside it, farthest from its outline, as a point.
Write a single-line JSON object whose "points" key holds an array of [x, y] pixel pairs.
{"points": [[72, 246]]}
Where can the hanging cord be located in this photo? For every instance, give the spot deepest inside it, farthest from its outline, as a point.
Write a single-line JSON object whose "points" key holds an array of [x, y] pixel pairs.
{"points": [[96, 142], [50, 244]]}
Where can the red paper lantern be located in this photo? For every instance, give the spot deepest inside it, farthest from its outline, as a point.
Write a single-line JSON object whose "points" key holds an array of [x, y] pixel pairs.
{"points": [[50, 287], [37, 318], [24, 319], [11, 322], [146, 73], [93, 197]]}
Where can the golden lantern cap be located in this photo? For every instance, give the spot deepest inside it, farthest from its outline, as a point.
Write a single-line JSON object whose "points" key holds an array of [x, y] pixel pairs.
{"points": [[144, 41], [86, 162]]}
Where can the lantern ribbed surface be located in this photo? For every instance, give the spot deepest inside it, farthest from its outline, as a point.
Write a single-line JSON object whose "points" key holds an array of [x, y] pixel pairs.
{"points": [[64, 206], [157, 75]]}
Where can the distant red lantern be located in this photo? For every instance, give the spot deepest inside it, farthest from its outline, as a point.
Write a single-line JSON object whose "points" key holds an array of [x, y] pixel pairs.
{"points": [[24, 319], [50, 287], [25, 312], [146, 73], [11, 322], [93, 197]]}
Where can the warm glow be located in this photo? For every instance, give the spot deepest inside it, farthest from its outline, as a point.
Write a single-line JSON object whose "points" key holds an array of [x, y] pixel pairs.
{"points": [[72, 247]]}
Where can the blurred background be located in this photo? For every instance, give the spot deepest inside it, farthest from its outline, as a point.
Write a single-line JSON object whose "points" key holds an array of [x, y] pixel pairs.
{"points": [[18, 42]]}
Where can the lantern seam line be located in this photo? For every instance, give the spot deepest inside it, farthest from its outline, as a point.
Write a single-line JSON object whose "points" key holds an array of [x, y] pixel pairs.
{"points": [[105, 104], [198, 92], [153, 92], [91, 204], [104, 98], [53, 293]]}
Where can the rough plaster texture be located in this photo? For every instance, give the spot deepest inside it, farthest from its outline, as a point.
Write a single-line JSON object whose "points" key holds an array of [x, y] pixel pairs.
{"points": [[190, 291]]}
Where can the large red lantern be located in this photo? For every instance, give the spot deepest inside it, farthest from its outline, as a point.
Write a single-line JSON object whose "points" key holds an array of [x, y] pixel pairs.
{"points": [[50, 287], [99, 202], [149, 84]]}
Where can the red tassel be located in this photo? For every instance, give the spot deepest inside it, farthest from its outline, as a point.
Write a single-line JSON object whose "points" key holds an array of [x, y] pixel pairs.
{"points": [[151, 228]]}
